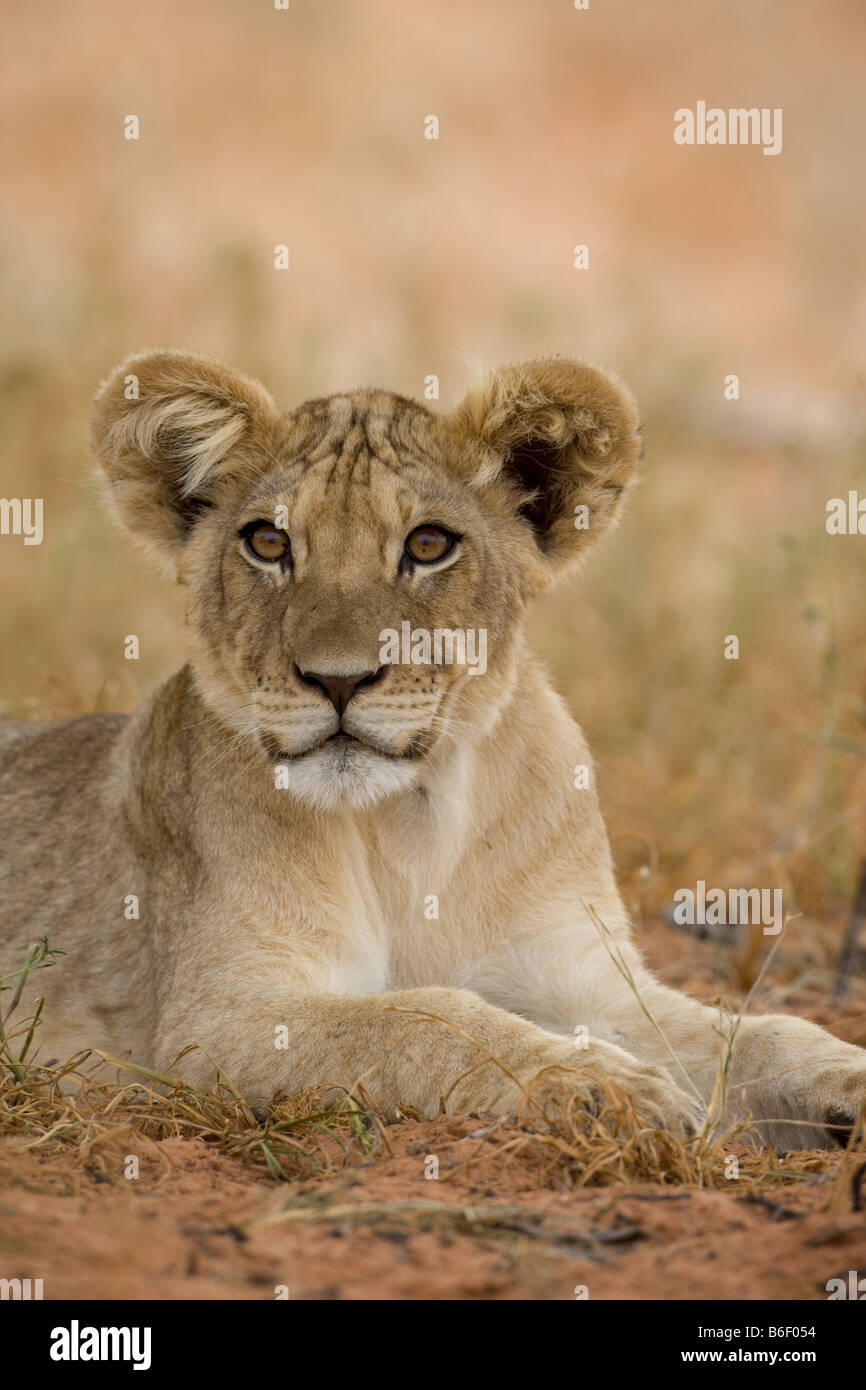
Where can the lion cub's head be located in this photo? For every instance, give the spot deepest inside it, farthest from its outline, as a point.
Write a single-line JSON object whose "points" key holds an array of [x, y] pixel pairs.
{"points": [[358, 569]]}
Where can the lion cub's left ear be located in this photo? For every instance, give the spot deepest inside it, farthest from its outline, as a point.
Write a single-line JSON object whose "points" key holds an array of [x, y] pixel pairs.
{"points": [[562, 438]]}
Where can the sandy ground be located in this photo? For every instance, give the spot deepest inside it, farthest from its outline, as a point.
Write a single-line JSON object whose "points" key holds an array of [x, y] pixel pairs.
{"points": [[210, 1229]]}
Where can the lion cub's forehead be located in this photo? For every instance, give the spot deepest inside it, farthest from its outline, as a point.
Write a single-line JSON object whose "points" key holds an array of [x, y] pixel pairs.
{"points": [[348, 431], [365, 453]]}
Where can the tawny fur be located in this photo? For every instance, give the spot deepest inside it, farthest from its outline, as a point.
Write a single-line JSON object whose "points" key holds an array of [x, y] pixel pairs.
{"points": [[307, 907]]}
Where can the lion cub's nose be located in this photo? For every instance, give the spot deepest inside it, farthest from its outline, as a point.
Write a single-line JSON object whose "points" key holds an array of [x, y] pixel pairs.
{"points": [[340, 689]]}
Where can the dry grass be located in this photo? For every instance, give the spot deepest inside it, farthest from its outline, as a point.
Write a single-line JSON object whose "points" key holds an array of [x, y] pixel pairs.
{"points": [[98, 1121], [80, 1109]]}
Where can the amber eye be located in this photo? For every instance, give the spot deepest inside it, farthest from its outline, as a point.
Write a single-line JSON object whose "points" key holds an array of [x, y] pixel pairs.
{"points": [[266, 541], [427, 544]]}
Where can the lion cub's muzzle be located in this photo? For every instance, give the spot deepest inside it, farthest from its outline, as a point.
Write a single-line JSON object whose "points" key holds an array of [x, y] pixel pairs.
{"points": [[355, 710]]}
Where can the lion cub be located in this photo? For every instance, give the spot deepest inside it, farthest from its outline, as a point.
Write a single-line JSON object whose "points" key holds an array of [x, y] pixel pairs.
{"points": [[358, 851]]}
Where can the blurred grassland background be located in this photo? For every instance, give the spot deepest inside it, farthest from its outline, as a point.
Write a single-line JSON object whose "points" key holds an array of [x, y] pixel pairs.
{"points": [[411, 257]]}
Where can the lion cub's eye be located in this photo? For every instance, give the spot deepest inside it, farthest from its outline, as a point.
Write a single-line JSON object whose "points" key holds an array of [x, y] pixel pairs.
{"points": [[427, 544], [266, 541]]}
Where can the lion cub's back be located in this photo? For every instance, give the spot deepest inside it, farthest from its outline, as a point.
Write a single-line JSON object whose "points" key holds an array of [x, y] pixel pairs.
{"points": [[57, 792]]}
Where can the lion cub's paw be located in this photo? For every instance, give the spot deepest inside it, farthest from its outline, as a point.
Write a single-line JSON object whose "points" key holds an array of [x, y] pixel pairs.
{"points": [[648, 1092], [841, 1101]]}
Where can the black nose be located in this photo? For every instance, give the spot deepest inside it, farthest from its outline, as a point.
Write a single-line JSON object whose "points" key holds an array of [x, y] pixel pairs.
{"points": [[340, 689]]}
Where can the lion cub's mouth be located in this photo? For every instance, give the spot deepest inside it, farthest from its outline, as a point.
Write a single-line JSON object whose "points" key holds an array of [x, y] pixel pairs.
{"points": [[343, 744], [277, 753]]}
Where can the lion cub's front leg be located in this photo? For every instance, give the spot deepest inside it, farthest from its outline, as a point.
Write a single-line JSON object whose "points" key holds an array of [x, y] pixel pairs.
{"points": [[800, 1086], [424, 1048]]}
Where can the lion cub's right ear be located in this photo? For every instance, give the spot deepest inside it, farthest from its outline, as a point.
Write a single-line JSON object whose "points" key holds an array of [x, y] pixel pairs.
{"points": [[170, 429]]}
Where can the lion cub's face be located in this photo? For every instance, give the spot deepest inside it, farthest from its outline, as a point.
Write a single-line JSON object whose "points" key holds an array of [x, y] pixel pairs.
{"points": [[358, 570], [314, 590]]}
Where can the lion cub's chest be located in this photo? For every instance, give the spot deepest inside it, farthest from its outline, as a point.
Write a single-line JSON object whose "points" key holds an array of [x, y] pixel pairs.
{"points": [[429, 927], [420, 866], [349, 912]]}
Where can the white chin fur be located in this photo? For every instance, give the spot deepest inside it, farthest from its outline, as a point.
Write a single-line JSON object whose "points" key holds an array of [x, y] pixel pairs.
{"points": [[356, 777]]}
